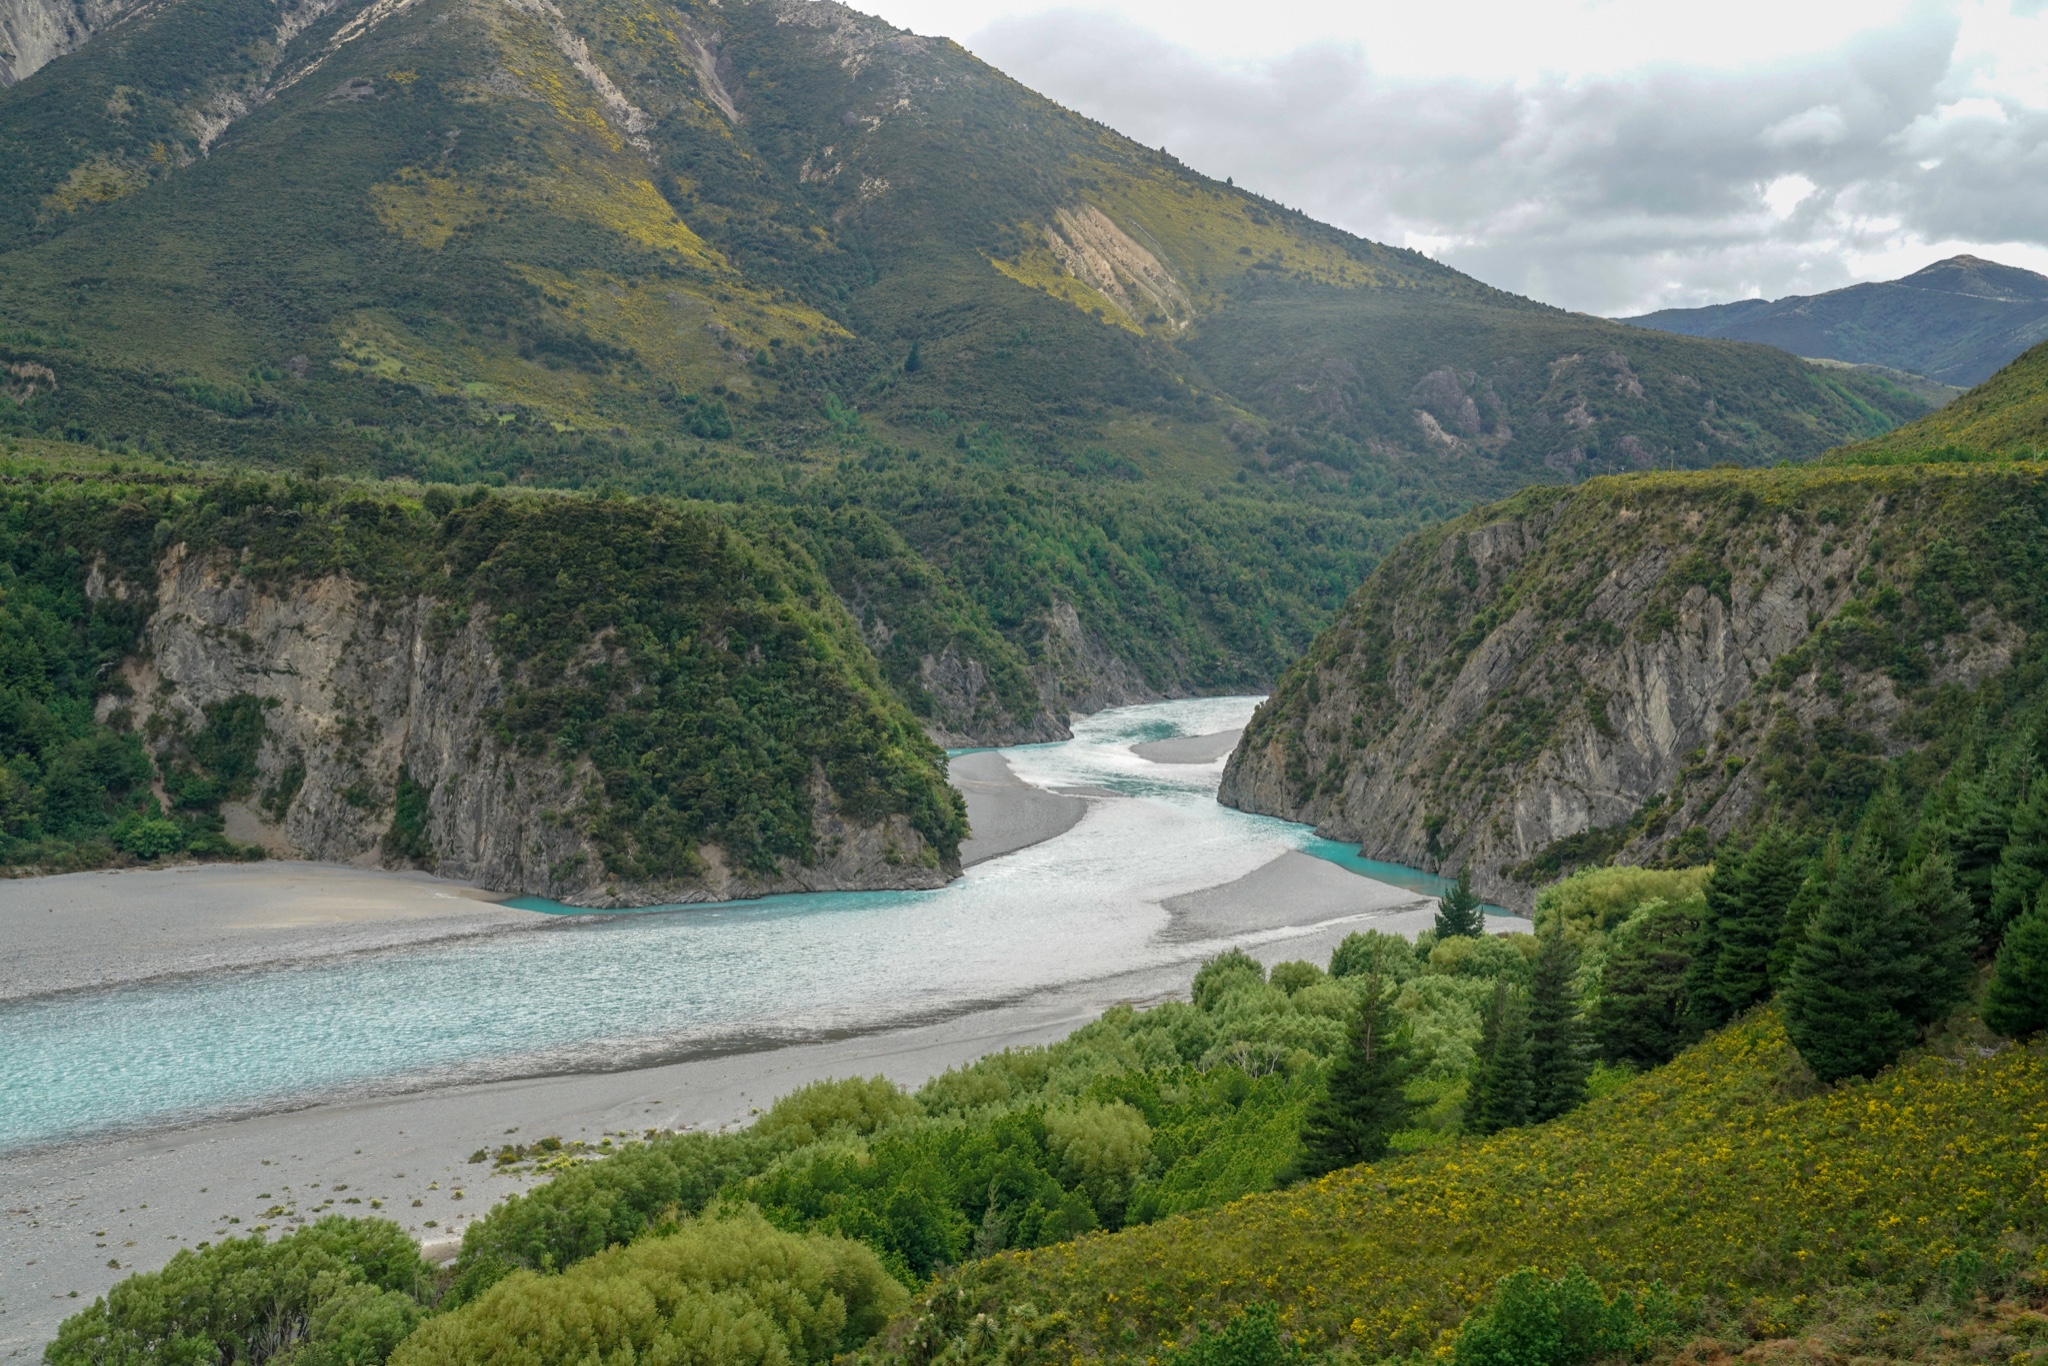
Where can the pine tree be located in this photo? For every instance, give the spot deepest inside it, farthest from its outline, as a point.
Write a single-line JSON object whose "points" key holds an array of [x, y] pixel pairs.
{"points": [[1983, 822], [1851, 973], [2023, 866], [1501, 1089], [1806, 903], [1365, 1102], [1459, 912], [1942, 928], [2016, 1002], [1727, 895], [1558, 1063], [1639, 1016], [1777, 870]]}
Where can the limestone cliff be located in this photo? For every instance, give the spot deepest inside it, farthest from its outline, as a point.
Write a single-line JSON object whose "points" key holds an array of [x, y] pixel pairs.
{"points": [[1633, 667], [358, 696], [34, 33]]}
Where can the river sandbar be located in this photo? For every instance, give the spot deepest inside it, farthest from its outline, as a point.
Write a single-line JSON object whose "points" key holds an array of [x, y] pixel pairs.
{"points": [[1005, 812], [1190, 749]]}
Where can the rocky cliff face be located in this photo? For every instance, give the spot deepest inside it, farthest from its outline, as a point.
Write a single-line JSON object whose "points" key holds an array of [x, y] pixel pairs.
{"points": [[34, 33], [1634, 667], [362, 698]]}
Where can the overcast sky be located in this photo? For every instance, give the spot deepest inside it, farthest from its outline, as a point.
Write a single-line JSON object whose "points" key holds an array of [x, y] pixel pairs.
{"points": [[1607, 155]]}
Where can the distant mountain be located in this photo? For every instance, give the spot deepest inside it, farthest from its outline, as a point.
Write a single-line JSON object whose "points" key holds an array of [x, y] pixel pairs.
{"points": [[1957, 321], [1072, 424]]}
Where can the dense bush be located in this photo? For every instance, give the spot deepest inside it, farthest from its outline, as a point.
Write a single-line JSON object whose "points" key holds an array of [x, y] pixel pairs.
{"points": [[1535, 1321], [718, 1292], [342, 1292]]}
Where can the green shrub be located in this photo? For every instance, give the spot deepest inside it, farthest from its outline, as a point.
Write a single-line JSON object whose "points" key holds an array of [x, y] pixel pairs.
{"points": [[1533, 1321], [1252, 1338], [725, 1292], [342, 1292], [854, 1105]]}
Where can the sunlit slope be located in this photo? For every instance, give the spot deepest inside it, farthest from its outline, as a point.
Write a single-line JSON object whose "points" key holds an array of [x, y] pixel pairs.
{"points": [[459, 219], [2006, 415], [1729, 1176]]}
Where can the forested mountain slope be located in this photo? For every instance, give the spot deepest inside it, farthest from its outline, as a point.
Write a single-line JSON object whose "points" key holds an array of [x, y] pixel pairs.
{"points": [[1131, 430], [602, 700], [1957, 321]]}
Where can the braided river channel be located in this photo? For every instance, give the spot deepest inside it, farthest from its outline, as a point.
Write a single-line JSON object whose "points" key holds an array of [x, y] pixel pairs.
{"points": [[582, 991]]}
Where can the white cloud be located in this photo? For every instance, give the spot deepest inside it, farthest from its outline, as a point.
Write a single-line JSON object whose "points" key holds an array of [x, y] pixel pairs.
{"points": [[1607, 155], [1787, 193], [1822, 125]]}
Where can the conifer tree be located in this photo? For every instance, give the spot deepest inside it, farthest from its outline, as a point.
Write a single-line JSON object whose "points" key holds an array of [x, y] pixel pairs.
{"points": [[1983, 822], [2023, 866], [1365, 1102], [1851, 973], [1459, 911], [1727, 895], [1639, 1015], [2016, 1002], [1806, 903], [1500, 1093], [1747, 899], [1942, 930], [1558, 1062]]}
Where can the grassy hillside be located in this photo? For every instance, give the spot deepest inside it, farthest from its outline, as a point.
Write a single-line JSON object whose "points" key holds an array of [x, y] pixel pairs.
{"points": [[2006, 415], [757, 250], [1727, 1176], [726, 645]]}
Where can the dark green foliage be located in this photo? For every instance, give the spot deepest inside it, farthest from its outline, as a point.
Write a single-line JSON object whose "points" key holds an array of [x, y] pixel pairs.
{"points": [[714, 1292], [2022, 865], [1216, 977], [1806, 903], [1640, 1015], [1853, 973], [1558, 1055], [591, 1207], [1983, 823], [1458, 911], [1747, 899], [216, 763], [342, 1292], [2016, 1002], [1252, 1338], [1503, 1091], [1943, 937], [1534, 1321], [1374, 953], [407, 837], [1365, 1100]]}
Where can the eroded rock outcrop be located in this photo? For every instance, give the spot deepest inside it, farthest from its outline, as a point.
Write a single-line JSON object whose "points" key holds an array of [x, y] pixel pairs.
{"points": [[1634, 667], [363, 698]]}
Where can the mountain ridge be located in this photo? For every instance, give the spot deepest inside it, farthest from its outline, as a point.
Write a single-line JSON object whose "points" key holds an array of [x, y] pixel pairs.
{"points": [[786, 254], [1901, 324]]}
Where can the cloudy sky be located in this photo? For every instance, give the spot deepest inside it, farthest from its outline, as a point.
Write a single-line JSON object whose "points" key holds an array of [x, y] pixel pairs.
{"points": [[1606, 155]]}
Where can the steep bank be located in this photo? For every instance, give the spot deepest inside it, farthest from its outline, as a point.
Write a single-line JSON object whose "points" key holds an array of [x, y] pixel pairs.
{"points": [[1634, 667], [607, 702]]}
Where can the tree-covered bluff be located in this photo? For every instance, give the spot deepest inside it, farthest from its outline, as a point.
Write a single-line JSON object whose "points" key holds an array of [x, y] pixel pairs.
{"points": [[1639, 666], [606, 700]]}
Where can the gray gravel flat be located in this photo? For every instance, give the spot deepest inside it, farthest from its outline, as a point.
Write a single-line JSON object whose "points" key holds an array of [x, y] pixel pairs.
{"points": [[1190, 749], [1005, 812], [104, 929]]}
